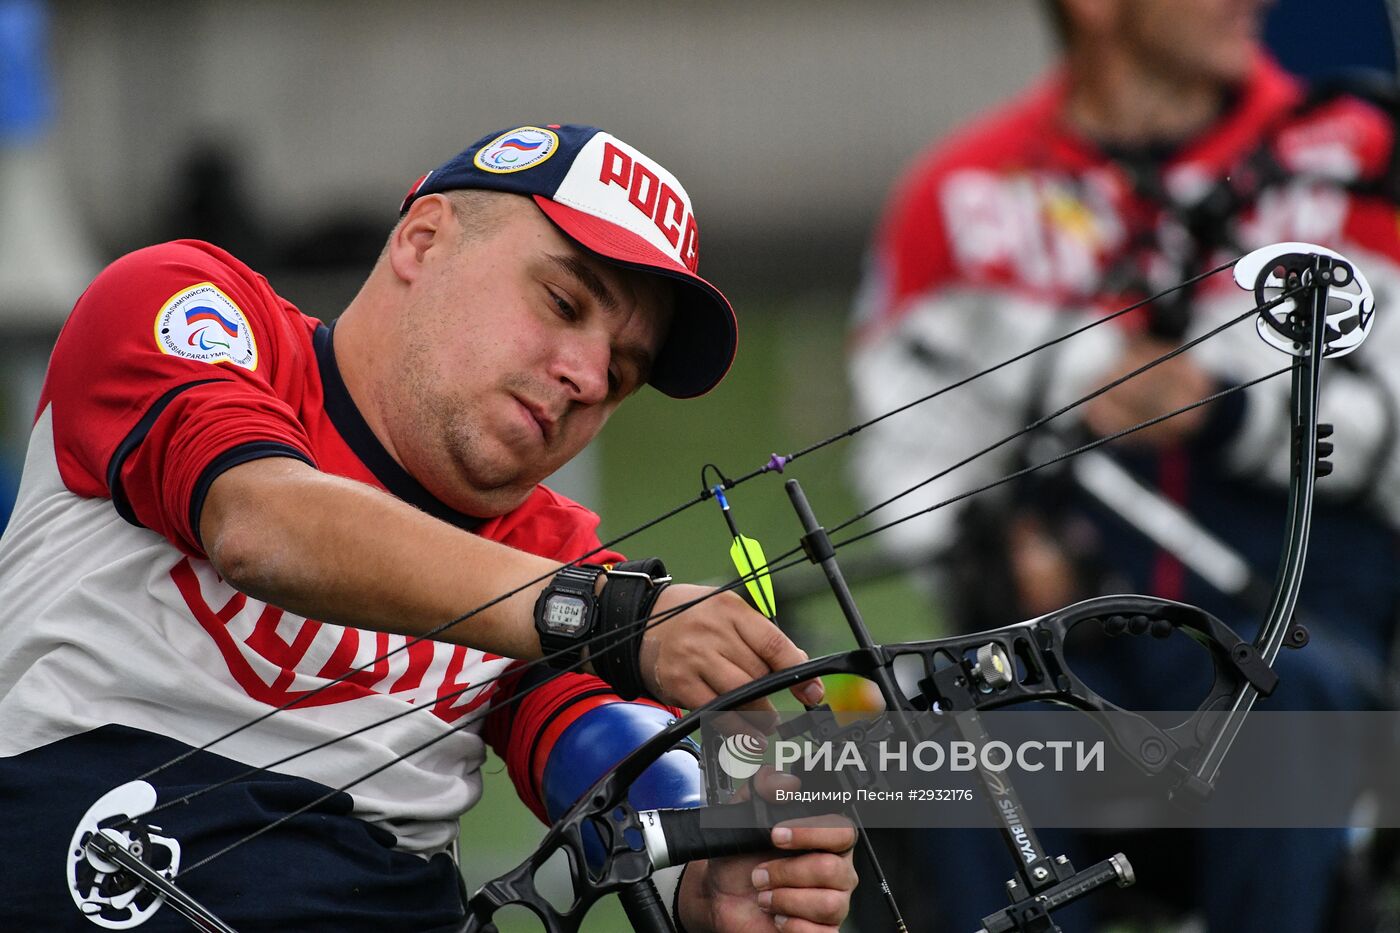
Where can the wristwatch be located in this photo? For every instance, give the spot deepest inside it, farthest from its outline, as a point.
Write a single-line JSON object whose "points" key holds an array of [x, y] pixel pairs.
{"points": [[566, 614]]}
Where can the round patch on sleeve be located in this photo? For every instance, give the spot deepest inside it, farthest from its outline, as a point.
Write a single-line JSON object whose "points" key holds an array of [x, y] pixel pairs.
{"points": [[202, 323]]}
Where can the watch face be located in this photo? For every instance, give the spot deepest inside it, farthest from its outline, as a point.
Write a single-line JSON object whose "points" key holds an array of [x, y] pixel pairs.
{"points": [[564, 614]]}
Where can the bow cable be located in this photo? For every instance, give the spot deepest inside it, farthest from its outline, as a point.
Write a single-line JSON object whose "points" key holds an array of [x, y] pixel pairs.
{"points": [[1026, 471]]}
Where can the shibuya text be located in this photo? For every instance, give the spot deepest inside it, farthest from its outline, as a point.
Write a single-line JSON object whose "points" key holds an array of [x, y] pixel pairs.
{"points": [[1076, 756]]}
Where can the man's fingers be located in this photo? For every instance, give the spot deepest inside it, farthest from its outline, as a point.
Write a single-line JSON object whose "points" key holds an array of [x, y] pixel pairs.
{"points": [[811, 888], [768, 642], [716, 649], [724, 676], [817, 905], [768, 781], [811, 870], [778, 653], [827, 833], [798, 925], [809, 692], [750, 663]]}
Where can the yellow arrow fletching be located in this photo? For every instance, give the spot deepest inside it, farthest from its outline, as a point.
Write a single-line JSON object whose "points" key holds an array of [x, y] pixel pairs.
{"points": [[748, 558]]}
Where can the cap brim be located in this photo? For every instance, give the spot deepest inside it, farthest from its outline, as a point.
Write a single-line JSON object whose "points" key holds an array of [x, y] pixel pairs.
{"points": [[704, 333]]}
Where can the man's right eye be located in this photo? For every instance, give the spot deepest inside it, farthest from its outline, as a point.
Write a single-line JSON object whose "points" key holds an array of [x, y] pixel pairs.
{"points": [[566, 309]]}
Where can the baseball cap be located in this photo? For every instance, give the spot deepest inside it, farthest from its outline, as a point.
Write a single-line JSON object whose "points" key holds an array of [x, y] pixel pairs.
{"points": [[621, 205]]}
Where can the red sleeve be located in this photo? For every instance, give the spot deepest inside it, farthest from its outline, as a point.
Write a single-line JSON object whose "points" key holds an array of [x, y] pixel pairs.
{"points": [[912, 244], [177, 363], [523, 732], [932, 232], [522, 726]]}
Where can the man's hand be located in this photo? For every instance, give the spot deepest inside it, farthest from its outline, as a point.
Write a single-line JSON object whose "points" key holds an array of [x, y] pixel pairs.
{"points": [[795, 893], [1165, 387], [714, 647]]}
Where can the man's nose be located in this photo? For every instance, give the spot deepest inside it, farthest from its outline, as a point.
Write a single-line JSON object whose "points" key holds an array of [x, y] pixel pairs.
{"points": [[582, 366]]}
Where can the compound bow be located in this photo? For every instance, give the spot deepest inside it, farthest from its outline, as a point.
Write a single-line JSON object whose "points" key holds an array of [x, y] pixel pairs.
{"points": [[962, 674], [975, 672]]}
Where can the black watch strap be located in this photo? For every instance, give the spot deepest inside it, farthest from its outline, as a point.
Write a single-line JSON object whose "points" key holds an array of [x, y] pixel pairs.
{"points": [[564, 651], [626, 601]]}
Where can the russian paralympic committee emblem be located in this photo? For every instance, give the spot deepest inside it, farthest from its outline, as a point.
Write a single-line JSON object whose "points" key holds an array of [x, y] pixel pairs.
{"points": [[519, 149], [202, 323]]}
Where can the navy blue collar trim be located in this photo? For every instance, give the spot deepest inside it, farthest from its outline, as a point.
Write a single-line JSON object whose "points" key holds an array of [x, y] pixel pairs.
{"points": [[351, 425]]}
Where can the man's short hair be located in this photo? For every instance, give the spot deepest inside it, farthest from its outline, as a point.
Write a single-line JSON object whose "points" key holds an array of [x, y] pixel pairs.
{"points": [[477, 213]]}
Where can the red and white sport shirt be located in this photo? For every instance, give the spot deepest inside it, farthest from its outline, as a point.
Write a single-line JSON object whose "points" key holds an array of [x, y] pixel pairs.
{"points": [[178, 363]]}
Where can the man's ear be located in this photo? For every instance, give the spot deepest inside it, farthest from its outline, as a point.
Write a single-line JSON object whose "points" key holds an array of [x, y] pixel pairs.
{"points": [[429, 223]]}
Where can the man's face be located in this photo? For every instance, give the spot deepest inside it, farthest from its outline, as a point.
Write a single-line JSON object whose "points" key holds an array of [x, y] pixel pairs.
{"points": [[1193, 39], [513, 348]]}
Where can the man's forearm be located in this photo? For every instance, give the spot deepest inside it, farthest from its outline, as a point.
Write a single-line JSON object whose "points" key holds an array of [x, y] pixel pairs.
{"points": [[340, 551]]}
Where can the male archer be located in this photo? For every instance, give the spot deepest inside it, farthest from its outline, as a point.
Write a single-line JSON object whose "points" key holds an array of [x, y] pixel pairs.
{"points": [[230, 507]]}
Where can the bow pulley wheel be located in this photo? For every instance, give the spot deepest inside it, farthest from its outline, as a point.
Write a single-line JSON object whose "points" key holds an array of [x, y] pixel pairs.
{"points": [[106, 893], [1275, 271]]}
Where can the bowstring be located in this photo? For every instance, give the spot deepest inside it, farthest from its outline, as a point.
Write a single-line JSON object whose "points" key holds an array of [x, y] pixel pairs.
{"points": [[775, 567], [776, 464]]}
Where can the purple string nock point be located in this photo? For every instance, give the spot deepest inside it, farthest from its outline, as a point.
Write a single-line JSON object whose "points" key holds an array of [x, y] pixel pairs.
{"points": [[777, 463]]}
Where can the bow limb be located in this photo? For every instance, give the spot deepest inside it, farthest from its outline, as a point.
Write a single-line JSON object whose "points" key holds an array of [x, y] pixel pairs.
{"points": [[1243, 670], [1303, 405]]}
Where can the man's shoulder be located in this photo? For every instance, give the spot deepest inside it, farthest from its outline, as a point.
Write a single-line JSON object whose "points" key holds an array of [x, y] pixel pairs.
{"points": [[146, 280], [1339, 124], [1337, 129], [178, 264], [184, 256]]}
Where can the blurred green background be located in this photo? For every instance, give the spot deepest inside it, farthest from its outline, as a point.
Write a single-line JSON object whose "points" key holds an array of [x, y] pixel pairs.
{"points": [[787, 390]]}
